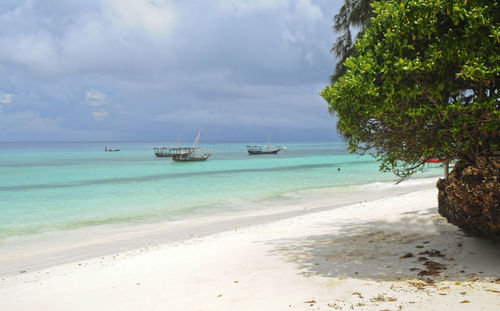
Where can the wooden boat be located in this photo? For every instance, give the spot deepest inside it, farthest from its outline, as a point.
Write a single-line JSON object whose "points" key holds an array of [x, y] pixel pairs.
{"points": [[196, 154], [106, 149], [168, 152], [268, 149], [258, 149]]}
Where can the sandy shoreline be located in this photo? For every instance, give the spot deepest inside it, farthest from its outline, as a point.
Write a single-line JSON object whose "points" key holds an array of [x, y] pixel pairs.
{"points": [[368, 256], [35, 252]]}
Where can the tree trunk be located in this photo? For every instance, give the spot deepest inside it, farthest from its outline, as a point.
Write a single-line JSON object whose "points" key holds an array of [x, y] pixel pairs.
{"points": [[470, 197]]}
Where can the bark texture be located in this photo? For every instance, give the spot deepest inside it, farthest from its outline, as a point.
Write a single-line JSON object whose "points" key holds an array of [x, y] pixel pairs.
{"points": [[470, 197]]}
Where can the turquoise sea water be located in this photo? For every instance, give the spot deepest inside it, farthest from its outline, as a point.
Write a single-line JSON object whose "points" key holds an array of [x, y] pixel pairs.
{"points": [[59, 186]]}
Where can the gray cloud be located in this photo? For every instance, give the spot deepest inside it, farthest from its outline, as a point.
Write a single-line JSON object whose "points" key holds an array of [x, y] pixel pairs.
{"points": [[225, 64]]}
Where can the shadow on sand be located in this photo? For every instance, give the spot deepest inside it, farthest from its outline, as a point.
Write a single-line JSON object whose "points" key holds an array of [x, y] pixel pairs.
{"points": [[395, 251]]}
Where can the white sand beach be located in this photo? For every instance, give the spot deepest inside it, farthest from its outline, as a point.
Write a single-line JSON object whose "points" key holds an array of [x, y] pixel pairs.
{"points": [[365, 256]]}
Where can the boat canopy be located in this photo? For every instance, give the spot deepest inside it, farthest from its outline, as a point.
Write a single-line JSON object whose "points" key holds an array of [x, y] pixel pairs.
{"points": [[173, 151], [254, 147]]}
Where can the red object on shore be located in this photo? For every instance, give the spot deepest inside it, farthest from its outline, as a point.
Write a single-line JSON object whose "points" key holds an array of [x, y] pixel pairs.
{"points": [[433, 160]]}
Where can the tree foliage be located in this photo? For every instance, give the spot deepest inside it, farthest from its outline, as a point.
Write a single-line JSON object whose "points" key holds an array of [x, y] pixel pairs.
{"points": [[424, 83], [353, 15]]}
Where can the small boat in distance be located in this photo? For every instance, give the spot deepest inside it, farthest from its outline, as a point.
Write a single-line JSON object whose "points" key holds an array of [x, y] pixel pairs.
{"points": [[195, 153], [258, 149], [106, 149], [268, 149]]}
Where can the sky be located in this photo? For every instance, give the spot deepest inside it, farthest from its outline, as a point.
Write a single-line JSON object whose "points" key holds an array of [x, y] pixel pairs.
{"points": [[151, 70]]}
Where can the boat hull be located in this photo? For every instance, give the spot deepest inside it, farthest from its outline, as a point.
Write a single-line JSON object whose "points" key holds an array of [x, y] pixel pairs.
{"points": [[253, 152], [167, 152], [190, 158]]}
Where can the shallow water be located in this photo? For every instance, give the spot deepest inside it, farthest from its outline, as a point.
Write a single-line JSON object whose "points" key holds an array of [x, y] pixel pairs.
{"points": [[60, 186]]}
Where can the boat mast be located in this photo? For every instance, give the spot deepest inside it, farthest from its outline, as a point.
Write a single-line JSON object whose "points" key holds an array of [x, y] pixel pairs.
{"points": [[197, 140], [179, 140], [268, 141]]}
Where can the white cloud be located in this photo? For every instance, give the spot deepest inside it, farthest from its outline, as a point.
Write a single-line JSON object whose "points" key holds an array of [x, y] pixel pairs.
{"points": [[303, 8], [100, 115], [95, 98], [245, 7], [293, 37], [154, 16], [308, 9], [5, 98]]}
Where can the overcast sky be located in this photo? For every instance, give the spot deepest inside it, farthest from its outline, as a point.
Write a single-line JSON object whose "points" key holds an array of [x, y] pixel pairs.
{"points": [[145, 70]]}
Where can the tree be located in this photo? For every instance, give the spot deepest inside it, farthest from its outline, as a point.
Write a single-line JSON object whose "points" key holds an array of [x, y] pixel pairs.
{"points": [[424, 84], [353, 14]]}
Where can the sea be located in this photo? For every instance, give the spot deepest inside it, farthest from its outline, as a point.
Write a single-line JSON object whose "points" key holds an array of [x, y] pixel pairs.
{"points": [[63, 186]]}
